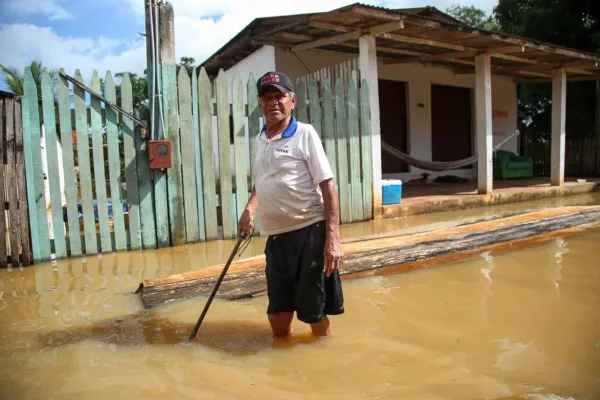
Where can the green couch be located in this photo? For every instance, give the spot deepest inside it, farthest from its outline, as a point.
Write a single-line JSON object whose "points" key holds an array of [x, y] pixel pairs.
{"points": [[509, 165]]}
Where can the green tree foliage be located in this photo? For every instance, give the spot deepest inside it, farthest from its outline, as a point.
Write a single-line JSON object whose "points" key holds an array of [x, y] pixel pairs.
{"points": [[474, 17], [568, 23], [14, 78]]}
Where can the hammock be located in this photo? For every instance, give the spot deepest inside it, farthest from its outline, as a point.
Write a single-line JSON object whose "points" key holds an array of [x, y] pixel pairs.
{"points": [[435, 165]]}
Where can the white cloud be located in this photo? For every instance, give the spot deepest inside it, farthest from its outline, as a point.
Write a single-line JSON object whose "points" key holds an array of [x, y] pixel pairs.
{"points": [[29, 42], [50, 8], [201, 28]]}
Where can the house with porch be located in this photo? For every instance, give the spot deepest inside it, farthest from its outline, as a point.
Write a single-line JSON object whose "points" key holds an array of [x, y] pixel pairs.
{"points": [[439, 90]]}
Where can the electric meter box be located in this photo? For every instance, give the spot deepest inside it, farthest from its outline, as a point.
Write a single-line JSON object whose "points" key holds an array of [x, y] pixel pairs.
{"points": [[159, 154]]}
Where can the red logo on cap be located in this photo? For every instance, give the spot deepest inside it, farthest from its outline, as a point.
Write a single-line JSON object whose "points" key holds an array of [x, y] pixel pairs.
{"points": [[271, 78]]}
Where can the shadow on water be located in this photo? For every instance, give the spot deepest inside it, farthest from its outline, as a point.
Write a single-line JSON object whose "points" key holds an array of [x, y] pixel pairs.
{"points": [[238, 338]]}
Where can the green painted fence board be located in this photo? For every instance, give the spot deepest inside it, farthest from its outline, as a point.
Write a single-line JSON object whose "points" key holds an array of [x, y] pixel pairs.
{"points": [[157, 180], [301, 109], [58, 226], [131, 173], [188, 163], [341, 130], [3, 221], [329, 129], [148, 224], [12, 125], [83, 162], [114, 165], [99, 170], [161, 202], [198, 158], [175, 179], [208, 166], [28, 176], [240, 145], [229, 226], [35, 173], [366, 152], [315, 106], [354, 142], [253, 131], [70, 176]]}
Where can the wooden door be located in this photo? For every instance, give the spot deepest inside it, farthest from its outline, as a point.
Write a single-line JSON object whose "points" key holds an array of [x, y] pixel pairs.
{"points": [[450, 123], [394, 122]]}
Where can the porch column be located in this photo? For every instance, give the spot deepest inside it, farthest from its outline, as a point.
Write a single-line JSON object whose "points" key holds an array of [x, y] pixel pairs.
{"points": [[483, 115], [559, 106], [368, 71]]}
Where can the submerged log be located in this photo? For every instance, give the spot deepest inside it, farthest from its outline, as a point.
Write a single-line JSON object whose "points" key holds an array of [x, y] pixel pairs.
{"points": [[395, 252]]}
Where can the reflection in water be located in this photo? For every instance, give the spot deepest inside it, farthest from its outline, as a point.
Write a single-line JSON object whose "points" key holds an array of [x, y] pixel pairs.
{"points": [[520, 325], [561, 250]]}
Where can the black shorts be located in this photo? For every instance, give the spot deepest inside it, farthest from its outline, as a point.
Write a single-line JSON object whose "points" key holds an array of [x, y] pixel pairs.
{"points": [[296, 280]]}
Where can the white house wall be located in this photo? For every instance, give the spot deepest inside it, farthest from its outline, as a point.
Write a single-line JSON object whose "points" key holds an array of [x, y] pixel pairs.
{"points": [[419, 80]]}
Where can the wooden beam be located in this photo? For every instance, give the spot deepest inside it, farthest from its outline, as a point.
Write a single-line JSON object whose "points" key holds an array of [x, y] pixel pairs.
{"points": [[437, 57], [351, 35], [416, 20]]}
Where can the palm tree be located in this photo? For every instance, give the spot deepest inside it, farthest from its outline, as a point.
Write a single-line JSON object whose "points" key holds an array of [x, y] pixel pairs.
{"points": [[14, 78]]}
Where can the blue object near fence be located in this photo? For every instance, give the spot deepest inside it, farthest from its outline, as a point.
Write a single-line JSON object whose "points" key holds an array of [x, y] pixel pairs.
{"points": [[80, 210], [391, 191]]}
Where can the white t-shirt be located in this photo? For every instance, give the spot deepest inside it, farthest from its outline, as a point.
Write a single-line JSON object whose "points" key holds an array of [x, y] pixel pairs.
{"points": [[287, 171]]}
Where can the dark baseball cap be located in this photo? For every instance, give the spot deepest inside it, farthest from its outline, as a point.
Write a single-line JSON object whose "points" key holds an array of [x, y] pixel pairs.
{"points": [[277, 79]]}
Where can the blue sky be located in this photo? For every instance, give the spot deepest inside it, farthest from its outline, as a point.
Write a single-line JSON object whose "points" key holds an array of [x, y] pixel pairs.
{"points": [[104, 35]]}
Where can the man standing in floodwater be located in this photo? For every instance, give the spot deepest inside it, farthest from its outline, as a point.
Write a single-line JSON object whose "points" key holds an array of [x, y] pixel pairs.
{"points": [[297, 203]]}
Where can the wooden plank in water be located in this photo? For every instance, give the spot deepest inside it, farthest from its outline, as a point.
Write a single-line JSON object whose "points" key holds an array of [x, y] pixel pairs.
{"points": [[341, 131], [366, 152], [253, 132], [239, 141], [229, 225], [99, 170], [11, 175], [246, 277], [188, 163], [356, 203], [40, 239], [22, 184], [3, 230], [114, 165], [70, 176], [198, 157], [85, 173], [208, 161]]}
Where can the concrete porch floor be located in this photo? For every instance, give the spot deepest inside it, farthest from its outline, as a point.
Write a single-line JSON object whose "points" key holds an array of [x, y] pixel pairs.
{"points": [[439, 197]]}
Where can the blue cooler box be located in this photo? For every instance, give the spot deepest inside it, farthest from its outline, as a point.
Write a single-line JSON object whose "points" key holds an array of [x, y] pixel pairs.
{"points": [[391, 191]]}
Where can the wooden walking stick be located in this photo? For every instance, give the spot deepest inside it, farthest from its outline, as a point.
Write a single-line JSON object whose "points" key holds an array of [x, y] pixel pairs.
{"points": [[214, 291]]}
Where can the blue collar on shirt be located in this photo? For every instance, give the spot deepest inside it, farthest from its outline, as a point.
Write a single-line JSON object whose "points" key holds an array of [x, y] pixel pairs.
{"points": [[289, 131]]}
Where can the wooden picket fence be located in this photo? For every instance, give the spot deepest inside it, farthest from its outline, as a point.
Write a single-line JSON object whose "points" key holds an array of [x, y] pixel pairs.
{"points": [[582, 158], [14, 223], [202, 196]]}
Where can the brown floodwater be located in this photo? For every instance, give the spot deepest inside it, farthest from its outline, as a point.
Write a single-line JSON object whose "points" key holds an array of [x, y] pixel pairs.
{"points": [[524, 324]]}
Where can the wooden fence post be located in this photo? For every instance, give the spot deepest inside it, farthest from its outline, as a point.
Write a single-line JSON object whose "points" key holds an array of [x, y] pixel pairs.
{"points": [[170, 106]]}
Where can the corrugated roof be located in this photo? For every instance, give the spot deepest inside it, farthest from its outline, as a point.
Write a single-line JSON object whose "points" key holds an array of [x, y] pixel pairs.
{"points": [[427, 31]]}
